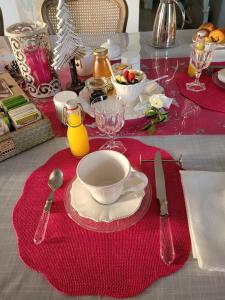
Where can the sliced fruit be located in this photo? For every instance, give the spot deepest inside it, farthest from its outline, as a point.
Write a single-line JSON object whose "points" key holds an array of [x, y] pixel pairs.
{"points": [[131, 76], [126, 73], [191, 70], [200, 46]]}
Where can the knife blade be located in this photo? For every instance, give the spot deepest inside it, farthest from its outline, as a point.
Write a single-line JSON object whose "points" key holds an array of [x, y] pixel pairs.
{"points": [[167, 252]]}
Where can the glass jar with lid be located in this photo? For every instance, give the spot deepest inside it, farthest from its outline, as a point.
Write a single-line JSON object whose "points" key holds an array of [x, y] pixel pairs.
{"points": [[32, 49], [102, 66], [97, 87]]}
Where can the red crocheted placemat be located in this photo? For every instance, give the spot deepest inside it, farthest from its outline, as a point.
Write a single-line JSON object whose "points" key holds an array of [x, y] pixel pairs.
{"points": [[81, 262], [213, 98]]}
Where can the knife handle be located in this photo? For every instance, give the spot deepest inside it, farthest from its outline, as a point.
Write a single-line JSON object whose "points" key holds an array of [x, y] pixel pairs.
{"points": [[167, 252]]}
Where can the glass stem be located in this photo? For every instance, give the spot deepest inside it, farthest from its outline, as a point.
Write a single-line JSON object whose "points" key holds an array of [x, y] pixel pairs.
{"points": [[197, 76], [112, 142]]}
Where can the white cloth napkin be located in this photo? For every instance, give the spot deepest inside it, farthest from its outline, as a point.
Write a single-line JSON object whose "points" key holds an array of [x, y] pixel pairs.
{"points": [[204, 194]]}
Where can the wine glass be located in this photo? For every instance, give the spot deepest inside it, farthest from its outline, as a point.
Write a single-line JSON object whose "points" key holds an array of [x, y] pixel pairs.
{"points": [[109, 117], [200, 57]]}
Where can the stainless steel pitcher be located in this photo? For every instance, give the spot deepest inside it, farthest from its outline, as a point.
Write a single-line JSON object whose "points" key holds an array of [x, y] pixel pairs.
{"points": [[164, 30]]}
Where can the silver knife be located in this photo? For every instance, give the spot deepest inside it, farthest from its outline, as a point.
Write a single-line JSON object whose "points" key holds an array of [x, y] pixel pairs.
{"points": [[167, 252]]}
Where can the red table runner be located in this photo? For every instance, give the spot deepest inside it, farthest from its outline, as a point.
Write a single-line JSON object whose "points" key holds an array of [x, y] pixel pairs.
{"points": [[186, 117], [81, 262]]}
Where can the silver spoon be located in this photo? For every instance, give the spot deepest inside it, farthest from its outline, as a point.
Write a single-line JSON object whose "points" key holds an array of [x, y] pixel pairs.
{"points": [[54, 182]]}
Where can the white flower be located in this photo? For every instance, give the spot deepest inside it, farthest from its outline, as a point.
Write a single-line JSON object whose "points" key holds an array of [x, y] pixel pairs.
{"points": [[155, 101]]}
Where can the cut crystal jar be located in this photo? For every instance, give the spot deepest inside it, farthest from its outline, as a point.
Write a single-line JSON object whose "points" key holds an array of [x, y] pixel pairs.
{"points": [[32, 50]]}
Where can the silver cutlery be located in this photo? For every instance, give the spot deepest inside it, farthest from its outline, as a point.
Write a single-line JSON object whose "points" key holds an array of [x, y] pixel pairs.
{"points": [[159, 78], [55, 181], [179, 161], [167, 252]]}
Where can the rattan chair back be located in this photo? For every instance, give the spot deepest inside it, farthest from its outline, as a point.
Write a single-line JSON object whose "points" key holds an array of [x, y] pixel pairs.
{"points": [[89, 16]]}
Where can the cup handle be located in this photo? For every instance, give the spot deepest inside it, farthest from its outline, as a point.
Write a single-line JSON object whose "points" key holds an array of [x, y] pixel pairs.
{"points": [[138, 187]]}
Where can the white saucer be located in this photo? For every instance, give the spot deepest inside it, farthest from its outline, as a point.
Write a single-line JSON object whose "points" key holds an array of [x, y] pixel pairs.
{"points": [[130, 114], [87, 207], [218, 55], [216, 80]]}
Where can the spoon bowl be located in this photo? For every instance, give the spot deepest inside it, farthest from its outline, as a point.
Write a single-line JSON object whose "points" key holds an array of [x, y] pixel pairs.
{"points": [[55, 180]]}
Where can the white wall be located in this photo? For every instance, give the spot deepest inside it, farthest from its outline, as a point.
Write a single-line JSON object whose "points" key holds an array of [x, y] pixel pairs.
{"points": [[9, 11], [133, 15], [22, 10]]}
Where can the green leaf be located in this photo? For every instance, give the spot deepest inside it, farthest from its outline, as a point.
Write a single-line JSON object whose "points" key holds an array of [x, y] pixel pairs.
{"points": [[150, 113], [155, 117], [161, 118], [146, 127], [152, 129]]}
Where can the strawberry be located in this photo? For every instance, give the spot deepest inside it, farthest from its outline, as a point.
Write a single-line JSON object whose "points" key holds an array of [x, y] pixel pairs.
{"points": [[131, 76], [125, 73]]}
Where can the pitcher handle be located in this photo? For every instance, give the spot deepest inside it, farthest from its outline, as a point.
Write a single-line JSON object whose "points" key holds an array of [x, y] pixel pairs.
{"points": [[181, 7]]}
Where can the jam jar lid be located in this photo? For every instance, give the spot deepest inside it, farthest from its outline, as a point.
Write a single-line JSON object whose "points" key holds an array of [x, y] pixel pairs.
{"points": [[96, 83]]}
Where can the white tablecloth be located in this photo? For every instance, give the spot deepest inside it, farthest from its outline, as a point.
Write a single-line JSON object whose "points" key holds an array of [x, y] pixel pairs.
{"points": [[199, 153], [19, 282]]}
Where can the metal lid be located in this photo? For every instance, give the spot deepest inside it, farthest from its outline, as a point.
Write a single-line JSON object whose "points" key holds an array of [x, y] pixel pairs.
{"points": [[71, 104], [100, 51], [25, 29], [96, 83]]}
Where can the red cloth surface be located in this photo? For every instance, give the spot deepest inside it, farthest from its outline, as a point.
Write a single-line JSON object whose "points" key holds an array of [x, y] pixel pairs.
{"points": [[212, 98], [186, 117], [81, 262]]}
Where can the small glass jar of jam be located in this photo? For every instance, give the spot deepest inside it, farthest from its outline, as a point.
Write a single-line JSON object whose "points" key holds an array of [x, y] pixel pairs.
{"points": [[97, 87]]}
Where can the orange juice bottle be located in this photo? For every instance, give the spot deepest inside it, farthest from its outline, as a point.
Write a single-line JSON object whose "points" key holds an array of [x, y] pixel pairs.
{"points": [[102, 66], [77, 135]]}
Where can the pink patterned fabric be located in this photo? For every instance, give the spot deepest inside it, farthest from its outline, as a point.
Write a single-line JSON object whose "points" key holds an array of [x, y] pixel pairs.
{"points": [[81, 262], [185, 117], [213, 98]]}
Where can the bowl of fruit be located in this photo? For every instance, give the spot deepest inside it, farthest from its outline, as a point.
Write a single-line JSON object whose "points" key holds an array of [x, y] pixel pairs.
{"points": [[129, 84]]}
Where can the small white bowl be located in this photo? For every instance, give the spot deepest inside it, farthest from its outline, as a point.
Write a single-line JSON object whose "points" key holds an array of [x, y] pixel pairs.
{"points": [[60, 100], [129, 93]]}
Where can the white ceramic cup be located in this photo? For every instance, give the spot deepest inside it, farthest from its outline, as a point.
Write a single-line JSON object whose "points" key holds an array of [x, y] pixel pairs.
{"points": [[60, 100], [85, 64], [104, 174]]}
